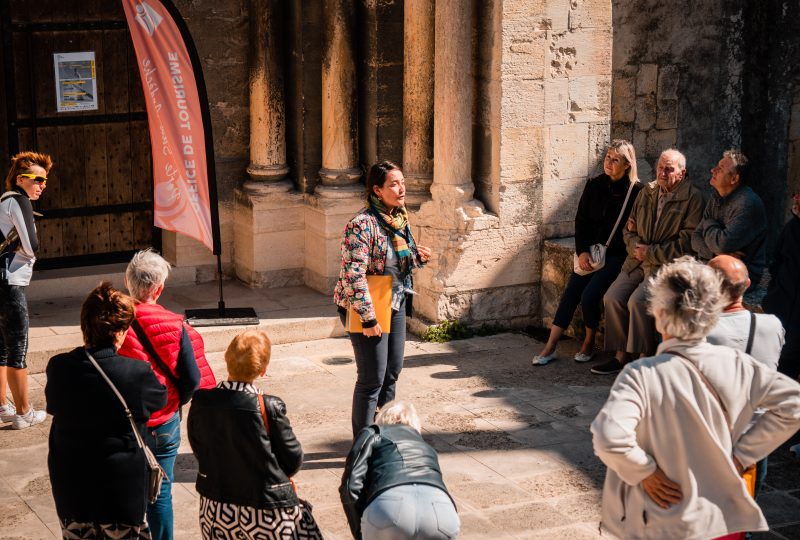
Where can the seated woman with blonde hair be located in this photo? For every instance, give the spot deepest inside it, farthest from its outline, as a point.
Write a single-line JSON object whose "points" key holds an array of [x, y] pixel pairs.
{"points": [[246, 453], [392, 486]]}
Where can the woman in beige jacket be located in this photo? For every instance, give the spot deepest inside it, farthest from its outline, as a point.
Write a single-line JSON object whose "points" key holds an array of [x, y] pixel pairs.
{"points": [[674, 459]]}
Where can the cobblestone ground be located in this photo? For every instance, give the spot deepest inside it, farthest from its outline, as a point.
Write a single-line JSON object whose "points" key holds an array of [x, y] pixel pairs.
{"points": [[513, 441]]}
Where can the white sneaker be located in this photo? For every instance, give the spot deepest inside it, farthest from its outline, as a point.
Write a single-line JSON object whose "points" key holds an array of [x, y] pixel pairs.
{"points": [[7, 412], [30, 418], [544, 359]]}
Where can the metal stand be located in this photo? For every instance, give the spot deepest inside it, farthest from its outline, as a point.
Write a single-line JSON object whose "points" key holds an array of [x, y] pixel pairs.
{"points": [[221, 316]]}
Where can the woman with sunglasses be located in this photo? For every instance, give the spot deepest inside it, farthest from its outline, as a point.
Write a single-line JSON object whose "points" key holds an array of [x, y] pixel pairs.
{"points": [[378, 240], [25, 182]]}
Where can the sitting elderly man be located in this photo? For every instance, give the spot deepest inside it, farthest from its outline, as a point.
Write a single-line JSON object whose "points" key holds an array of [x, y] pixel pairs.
{"points": [[663, 217], [734, 221]]}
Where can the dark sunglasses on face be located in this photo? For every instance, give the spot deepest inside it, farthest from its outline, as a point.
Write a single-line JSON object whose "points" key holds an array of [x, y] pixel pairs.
{"points": [[38, 179]]}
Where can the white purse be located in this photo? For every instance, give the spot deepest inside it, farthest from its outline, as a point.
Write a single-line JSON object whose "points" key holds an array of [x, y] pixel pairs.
{"points": [[598, 251]]}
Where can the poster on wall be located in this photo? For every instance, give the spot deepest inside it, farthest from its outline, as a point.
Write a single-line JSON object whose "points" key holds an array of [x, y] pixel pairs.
{"points": [[76, 81]]}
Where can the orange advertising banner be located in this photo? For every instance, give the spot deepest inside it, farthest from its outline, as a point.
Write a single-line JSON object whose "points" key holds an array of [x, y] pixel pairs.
{"points": [[181, 198]]}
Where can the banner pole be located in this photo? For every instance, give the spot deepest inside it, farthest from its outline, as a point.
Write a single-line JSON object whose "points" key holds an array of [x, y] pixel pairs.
{"points": [[219, 279]]}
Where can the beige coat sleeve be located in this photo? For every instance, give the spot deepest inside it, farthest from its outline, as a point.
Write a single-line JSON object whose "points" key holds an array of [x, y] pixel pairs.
{"points": [[614, 430], [780, 396]]}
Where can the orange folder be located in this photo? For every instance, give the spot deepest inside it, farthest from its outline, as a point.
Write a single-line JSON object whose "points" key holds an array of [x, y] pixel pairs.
{"points": [[380, 290]]}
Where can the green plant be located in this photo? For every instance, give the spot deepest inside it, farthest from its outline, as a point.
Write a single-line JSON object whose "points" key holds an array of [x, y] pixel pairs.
{"points": [[450, 330]]}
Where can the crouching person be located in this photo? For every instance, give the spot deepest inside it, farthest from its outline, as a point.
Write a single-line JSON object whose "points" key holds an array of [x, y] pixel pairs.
{"points": [[246, 453], [392, 486]]}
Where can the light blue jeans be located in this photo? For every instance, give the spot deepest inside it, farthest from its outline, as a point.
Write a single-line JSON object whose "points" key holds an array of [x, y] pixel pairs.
{"points": [[163, 441], [412, 511]]}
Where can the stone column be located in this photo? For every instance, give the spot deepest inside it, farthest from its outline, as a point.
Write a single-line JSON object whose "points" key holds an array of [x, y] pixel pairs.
{"points": [[452, 121], [267, 119], [418, 88], [268, 211], [340, 172]]}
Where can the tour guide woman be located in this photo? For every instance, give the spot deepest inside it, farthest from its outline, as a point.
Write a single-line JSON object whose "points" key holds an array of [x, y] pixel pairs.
{"points": [[25, 183], [378, 241]]}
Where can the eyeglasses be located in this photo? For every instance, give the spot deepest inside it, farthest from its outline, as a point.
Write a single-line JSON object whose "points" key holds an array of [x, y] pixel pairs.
{"points": [[38, 179]]}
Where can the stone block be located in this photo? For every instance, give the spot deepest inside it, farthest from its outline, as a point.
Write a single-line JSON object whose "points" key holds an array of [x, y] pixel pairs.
{"points": [[599, 138], [323, 256], [644, 170], [524, 53], [556, 101], [566, 151], [503, 302], [521, 104], [647, 79], [560, 199], [667, 116], [590, 99], [521, 154], [645, 112], [659, 140], [639, 142], [623, 97], [668, 82], [544, 14], [621, 130], [279, 250], [580, 53], [590, 14], [520, 203], [557, 13]]}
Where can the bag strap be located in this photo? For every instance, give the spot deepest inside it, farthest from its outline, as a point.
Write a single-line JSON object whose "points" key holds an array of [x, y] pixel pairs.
{"points": [[263, 407], [752, 333], [709, 386], [621, 212], [135, 430], [148, 346]]}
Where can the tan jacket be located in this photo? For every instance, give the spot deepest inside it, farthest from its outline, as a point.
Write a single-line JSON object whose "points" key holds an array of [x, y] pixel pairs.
{"points": [[659, 412], [672, 236]]}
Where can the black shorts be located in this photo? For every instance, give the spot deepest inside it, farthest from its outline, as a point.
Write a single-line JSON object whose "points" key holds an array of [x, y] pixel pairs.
{"points": [[13, 326]]}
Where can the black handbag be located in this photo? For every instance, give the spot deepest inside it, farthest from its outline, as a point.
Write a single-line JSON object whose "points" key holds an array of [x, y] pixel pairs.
{"points": [[155, 474]]}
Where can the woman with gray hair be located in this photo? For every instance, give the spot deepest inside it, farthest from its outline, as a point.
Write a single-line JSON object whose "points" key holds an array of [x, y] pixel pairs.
{"points": [[392, 485], [672, 432], [175, 352]]}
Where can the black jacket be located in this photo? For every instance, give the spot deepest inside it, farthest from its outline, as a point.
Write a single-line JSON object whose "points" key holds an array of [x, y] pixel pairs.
{"points": [[384, 457], [238, 462], [598, 210], [97, 470], [782, 299]]}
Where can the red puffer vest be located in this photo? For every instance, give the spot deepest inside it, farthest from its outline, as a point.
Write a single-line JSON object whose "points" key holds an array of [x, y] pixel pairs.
{"points": [[163, 327]]}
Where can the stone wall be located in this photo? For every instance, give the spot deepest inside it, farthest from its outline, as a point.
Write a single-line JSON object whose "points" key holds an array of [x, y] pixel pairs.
{"points": [[677, 80], [220, 33], [772, 80], [793, 177]]}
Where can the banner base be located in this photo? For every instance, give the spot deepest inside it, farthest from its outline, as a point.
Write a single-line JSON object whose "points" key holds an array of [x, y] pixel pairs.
{"points": [[221, 317]]}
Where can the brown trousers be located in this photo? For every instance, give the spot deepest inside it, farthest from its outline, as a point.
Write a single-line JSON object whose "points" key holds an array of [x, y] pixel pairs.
{"points": [[628, 326]]}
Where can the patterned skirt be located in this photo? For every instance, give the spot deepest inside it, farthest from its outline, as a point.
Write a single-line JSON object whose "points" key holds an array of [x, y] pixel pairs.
{"points": [[225, 521], [77, 530]]}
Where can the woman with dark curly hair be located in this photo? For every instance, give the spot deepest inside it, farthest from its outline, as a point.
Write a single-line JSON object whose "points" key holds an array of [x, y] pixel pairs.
{"points": [[97, 468], [378, 241], [25, 182]]}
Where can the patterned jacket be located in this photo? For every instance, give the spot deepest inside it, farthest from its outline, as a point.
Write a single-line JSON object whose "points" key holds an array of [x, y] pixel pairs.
{"points": [[364, 250]]}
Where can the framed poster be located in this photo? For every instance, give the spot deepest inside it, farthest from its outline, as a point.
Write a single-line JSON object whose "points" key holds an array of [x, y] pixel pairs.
{"points": [[76, 81]]}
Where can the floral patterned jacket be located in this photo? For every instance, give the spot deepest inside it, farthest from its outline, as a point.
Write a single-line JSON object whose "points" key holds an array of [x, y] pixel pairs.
{"points": [[364, 250]]}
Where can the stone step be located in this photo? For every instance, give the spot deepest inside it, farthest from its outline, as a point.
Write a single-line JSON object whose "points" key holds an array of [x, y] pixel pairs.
{"points": [[288, 315]]}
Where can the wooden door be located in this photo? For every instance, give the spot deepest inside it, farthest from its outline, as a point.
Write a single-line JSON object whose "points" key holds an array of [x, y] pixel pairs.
{"points": [[98, 203]]}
